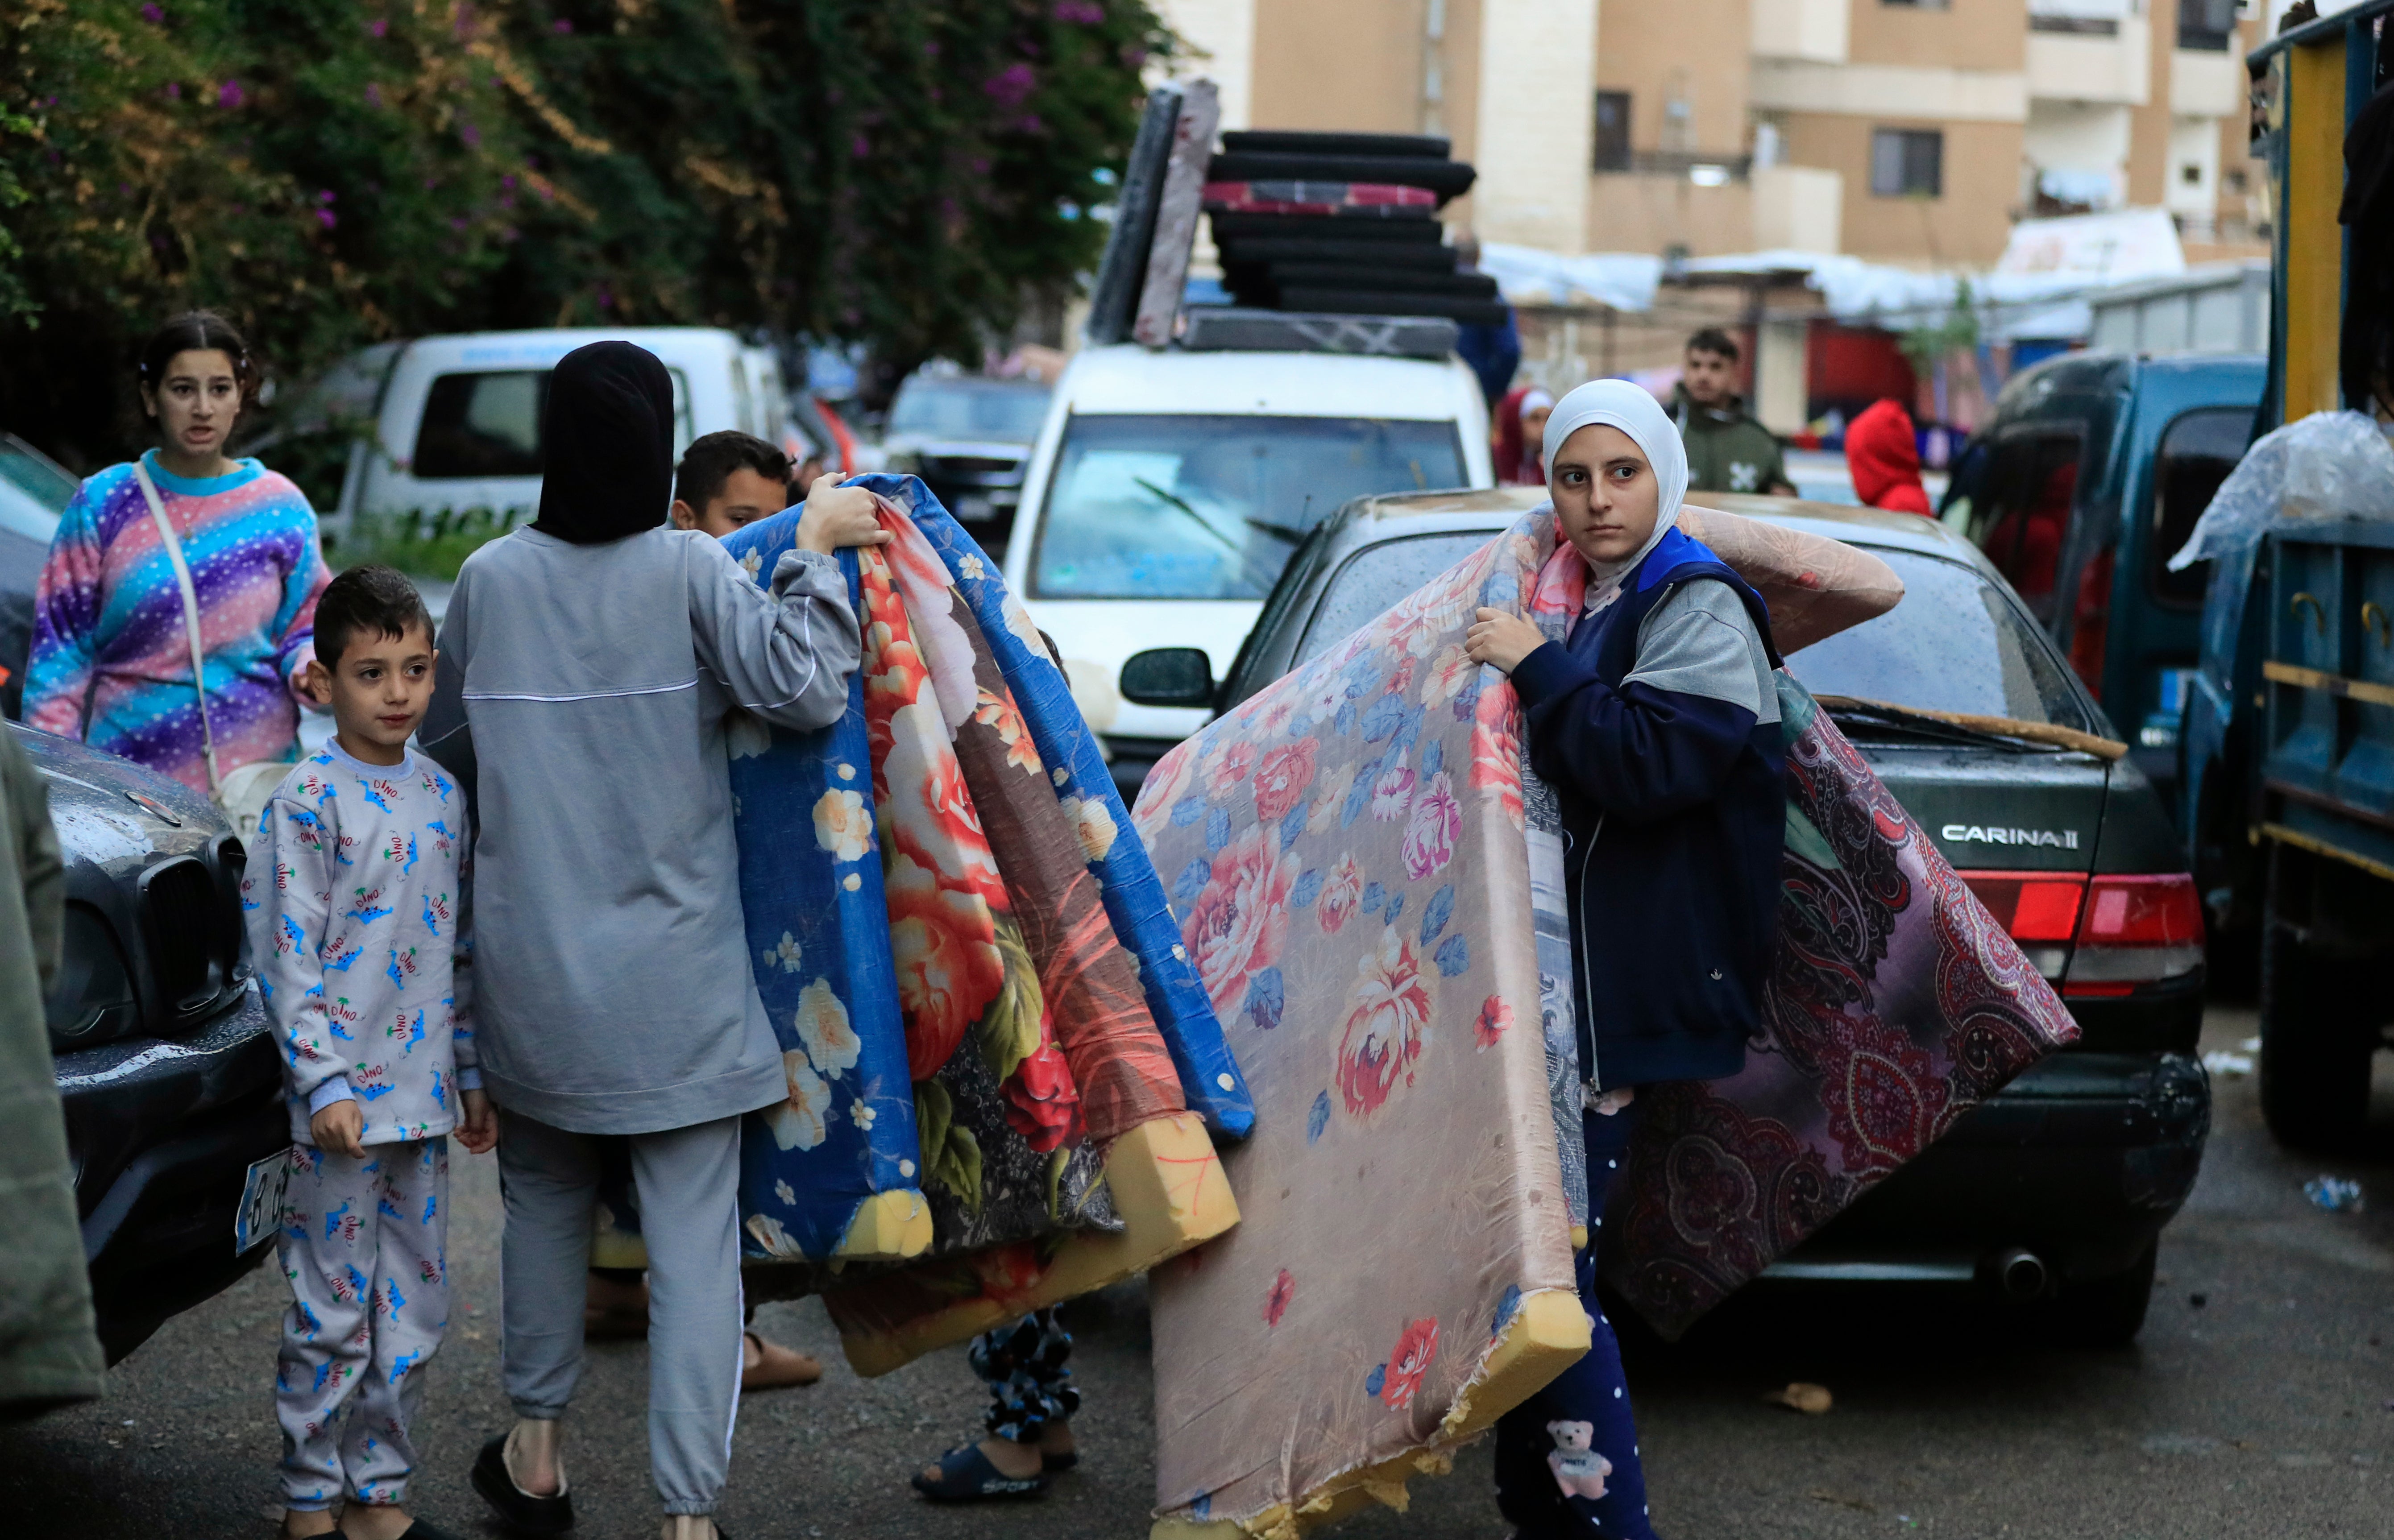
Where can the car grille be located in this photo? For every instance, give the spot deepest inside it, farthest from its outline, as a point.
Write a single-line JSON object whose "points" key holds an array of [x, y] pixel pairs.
{"points": [[192, 949]]}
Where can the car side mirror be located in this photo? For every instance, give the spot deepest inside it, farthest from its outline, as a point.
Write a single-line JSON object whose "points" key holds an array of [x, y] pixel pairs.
{"points": [[1168, 676]]}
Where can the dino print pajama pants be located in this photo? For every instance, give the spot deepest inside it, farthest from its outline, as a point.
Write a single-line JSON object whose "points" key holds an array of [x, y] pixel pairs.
{"points": [[361, 1247]]}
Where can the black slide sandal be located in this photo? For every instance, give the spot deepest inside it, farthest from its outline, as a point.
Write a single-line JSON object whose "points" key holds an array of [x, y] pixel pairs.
{"points": [[967, 1475], [517, 1509]]}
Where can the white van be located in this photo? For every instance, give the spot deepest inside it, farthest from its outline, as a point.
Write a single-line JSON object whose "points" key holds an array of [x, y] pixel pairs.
{"points": [[457, 419], [1168, 488]]}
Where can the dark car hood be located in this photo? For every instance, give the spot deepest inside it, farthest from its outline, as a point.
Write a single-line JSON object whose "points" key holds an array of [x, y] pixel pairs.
{"points": [[112, 813]]}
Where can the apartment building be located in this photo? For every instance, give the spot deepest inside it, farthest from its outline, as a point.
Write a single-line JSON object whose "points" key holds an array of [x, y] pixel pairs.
{"points": [[1913, 131]]}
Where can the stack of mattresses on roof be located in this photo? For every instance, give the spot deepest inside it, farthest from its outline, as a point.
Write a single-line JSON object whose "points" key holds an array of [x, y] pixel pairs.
{"points": [[1342, 224]]}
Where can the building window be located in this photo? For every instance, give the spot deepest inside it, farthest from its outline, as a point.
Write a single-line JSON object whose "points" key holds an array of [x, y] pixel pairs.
{"points": [[1612, 130], [1907, 162], [2209, 25], [2190, 174]]}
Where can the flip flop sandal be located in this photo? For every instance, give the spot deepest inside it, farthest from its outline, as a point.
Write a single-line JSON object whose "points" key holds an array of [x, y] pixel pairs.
{"points": [[1051, 1463], [418, 1530], [967, 1475], [778, 1366]]}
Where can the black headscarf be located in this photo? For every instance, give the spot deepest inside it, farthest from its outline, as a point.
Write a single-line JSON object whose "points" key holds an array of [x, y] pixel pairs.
{"points": [[607, 436]]}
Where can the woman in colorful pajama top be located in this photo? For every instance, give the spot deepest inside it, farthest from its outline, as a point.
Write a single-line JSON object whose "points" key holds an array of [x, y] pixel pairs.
{"points": [[112, 661], [1657, 724]]}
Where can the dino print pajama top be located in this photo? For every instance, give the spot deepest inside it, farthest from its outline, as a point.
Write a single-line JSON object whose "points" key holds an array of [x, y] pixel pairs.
{"points": [[352, 897]]}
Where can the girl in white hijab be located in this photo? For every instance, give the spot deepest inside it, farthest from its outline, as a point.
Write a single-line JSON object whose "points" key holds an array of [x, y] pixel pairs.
{"points": [[1656, 723]]}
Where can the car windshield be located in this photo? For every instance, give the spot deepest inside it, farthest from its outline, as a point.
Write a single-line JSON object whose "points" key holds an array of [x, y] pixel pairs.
{"points": [[1212, 507], [969, 409], [1955, 643]]}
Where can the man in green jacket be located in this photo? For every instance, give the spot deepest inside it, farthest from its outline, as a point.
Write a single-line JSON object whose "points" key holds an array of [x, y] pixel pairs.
{"points": [[50, 1354], [1728, 451]]}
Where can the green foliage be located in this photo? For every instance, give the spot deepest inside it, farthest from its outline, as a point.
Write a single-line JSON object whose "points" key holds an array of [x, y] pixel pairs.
{"points": [[901, 173], [423, 545], [1958, 332]]}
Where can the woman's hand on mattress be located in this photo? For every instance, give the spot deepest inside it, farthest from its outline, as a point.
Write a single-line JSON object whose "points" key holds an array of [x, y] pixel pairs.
{"points": [[839, 517], [1502, 637]]}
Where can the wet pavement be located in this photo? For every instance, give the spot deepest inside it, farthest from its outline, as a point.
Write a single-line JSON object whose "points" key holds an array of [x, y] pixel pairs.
{"points": [[2267, 1409]]}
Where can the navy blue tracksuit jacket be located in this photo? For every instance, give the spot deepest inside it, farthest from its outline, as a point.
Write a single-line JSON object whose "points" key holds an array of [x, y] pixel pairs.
{"points": [[1657, 727]]}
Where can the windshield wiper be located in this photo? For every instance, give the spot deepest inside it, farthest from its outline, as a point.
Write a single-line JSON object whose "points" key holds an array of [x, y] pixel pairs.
{"points": [[1844, 710], [1278, 532], [1253, 570]]}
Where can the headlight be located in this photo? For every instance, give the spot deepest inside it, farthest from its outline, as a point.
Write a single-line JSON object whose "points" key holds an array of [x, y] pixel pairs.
{"points": [[92, 1002]]}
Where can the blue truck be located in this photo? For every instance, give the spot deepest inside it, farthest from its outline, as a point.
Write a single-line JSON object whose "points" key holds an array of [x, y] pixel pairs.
{"points": [[2288, 745]]}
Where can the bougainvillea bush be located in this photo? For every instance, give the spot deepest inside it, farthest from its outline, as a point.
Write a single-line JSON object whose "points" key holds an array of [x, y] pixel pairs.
{"points": [[903, 173]]}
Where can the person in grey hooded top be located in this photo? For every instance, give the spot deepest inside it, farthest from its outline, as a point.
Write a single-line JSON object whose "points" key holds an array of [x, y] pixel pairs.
{"points": [[588, 667]]}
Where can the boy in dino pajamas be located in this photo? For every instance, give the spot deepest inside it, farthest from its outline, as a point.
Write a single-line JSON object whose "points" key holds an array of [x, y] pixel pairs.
{"points": [[352, 894]]}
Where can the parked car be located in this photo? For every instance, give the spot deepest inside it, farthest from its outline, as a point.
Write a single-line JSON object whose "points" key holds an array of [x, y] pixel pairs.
{"points": [[2056, 1190], [452, 425], [968, 439], [2087, 480], [34, 490], [1169, 488], [166, 1064]]}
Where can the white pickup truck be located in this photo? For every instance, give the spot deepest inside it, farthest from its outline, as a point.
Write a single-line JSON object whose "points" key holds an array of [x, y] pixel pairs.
{"points": [[1168, 488]]}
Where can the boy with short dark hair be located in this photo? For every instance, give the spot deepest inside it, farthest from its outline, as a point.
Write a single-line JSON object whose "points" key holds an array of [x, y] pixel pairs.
{"points": [[352, 894], [726, 482], [1727, 450]]}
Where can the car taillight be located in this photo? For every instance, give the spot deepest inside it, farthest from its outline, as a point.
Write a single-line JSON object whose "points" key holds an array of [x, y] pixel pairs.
{"points": [[2136, 930], [2040, 910]]}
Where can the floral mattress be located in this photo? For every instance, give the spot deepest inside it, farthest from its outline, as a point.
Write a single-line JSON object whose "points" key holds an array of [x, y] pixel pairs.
{"points": [[1369, 888]]}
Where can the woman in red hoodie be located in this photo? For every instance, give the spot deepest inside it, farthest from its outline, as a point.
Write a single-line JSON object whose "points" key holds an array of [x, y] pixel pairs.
{"points": [[1884, 457]]}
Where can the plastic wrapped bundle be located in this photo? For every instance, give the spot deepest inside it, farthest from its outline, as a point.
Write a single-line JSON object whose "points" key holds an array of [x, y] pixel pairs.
{"points": [[999, 1074], [1369, 883]]}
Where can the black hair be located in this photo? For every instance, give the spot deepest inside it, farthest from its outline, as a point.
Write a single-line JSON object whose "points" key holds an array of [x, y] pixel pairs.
{"points": [[1712, 340], [708, 463], [368, 601], [202, 331]]}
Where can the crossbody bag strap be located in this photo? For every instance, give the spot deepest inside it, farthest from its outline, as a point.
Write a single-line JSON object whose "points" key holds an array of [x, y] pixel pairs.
{"points": [[191, 614]]}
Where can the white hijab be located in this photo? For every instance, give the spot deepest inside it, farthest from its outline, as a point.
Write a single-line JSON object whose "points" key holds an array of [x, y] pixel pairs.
{"points": [[1618, 403]]}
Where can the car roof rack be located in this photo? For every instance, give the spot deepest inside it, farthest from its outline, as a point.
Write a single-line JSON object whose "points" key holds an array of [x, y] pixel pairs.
{"points": [[1233, 328]]}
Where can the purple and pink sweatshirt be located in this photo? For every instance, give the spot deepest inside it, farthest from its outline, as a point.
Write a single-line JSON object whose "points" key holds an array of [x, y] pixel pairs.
{"points": [[111, 664]]}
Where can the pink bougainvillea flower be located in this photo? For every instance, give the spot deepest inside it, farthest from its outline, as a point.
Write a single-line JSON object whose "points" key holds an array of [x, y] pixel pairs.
{"points": [[1416, 1350], [1494, 1017], [1391, 794], [1282, 778], [230, 94], [1431, 828], [1339, 895], [1235, 928], [1388, 1025], [1276, 1299]]}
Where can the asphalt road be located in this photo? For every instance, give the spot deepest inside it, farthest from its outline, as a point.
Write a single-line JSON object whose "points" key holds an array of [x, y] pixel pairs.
{"points": [[2266, 1411]]}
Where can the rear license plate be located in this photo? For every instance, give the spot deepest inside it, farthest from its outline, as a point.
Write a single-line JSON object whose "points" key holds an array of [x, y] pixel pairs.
{"points": [[261, 1202]]}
